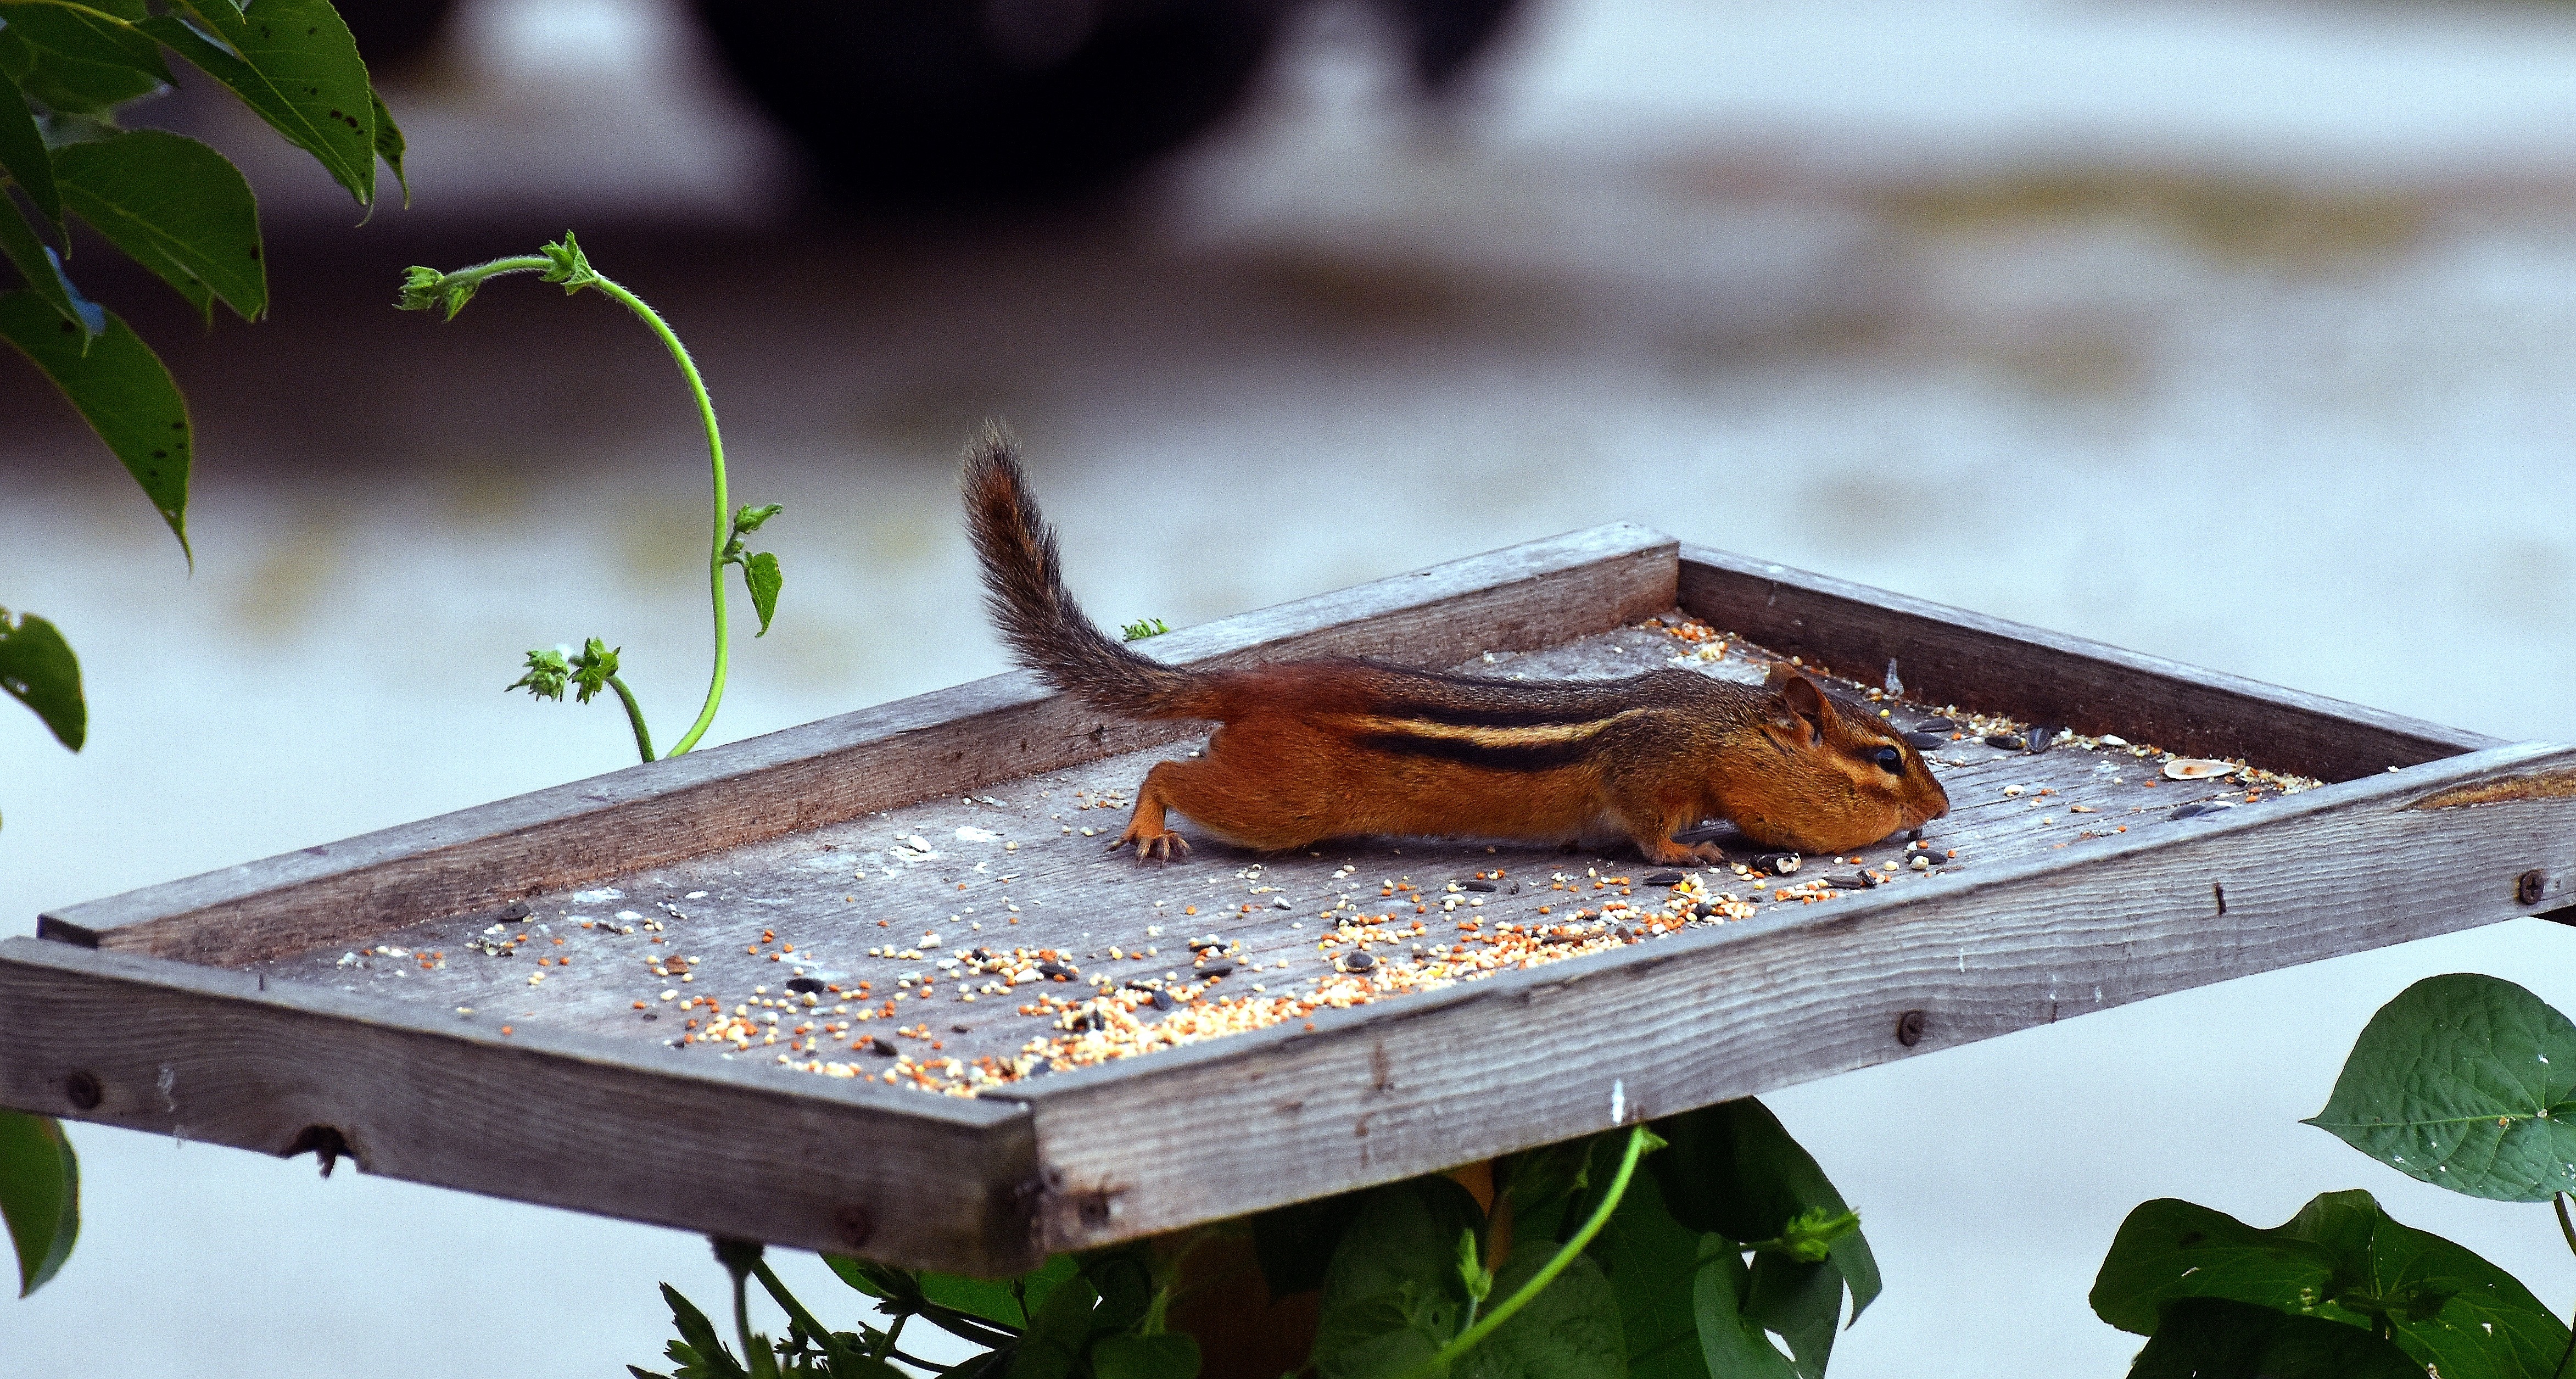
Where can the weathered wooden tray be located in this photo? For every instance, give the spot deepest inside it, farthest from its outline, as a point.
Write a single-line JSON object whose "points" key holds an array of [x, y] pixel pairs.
{"points": [[372, 997]]}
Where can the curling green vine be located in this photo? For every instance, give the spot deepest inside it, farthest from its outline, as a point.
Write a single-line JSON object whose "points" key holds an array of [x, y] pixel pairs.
{"points": [[595, 667]]}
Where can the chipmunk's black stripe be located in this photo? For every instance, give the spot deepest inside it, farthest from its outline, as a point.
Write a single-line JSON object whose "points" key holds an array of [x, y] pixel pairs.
{"points": [[1459, 716], [1535, 756]]}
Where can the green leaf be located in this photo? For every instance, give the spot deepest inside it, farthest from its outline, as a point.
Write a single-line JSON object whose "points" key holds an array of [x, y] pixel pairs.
{"points": [[1169, 1355], [389, 143], [175, 206], [120, 387], [1570, 1330], [1731, 1344], [1053, 1347], [546, 675], [1123, 1276], [1009, 1302], [989, 1299], [567, 265], [699, 1353], [1392, 1295], [42, 269], [78, 59], [1478, 1279], [1651, 1260], [1395, 1333], [22, 151], [1539, 1181], [39, 1195], [1801, 1301], [2341, 1259], [293, 63], [424, 288], [2465, 1082], [876, 1280], [37, 669], [1810, 1236], [760, 575], [1733, 1169], [1295, 1243], [590, 670], [2168, 1249], [2208, 1338]]}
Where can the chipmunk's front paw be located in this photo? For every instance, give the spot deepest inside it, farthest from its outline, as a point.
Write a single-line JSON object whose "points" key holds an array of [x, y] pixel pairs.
{"points": [[1665, 852], [1709, 853]]}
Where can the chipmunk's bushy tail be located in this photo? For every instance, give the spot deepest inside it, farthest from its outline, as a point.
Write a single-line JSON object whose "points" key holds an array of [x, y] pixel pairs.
{"points": [[1036, 615]]}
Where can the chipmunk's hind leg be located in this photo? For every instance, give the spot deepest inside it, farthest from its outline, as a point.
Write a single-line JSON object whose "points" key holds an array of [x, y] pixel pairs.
{"points": [[1154, 838]]}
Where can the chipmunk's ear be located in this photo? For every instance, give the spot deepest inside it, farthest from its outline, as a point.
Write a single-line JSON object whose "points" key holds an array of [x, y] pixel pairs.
{"points": [[1799, 704]]}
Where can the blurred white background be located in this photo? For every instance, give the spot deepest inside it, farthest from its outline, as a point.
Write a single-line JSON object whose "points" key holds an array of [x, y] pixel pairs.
{"points": [[2238, 334]]}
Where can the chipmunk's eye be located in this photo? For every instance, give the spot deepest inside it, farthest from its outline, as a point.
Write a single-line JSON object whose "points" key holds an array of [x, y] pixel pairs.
{"points": [[1891, 760]]}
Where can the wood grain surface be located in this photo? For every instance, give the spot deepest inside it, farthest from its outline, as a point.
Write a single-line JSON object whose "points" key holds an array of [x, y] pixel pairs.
{"points": [[1021, 867], [839, 768], [561, 1119]]}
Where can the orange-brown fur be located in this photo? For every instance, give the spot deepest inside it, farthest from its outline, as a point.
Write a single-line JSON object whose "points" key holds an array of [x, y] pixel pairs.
{"points": [[1309, 750]]}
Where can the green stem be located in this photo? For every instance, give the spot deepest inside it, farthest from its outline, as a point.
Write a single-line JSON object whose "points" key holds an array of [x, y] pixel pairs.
{"points": [[1467, 1339], [2558, 1202], [965, 1328], [742, 1315], [886, 1339], [634, 715], [787, 1302], [723, 519], [532, 263]]}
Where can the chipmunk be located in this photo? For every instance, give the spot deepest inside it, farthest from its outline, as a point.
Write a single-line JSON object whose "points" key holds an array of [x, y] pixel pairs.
{"points": [[1309, 750]]}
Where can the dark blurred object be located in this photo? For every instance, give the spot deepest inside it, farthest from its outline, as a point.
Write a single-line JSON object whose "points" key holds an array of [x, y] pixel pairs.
{"points": [[1442, 37], [997, 102], [393, 33]]}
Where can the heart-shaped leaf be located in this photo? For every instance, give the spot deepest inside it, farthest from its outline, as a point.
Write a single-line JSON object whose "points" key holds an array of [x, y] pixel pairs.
{"points": [[1392, 1295], [1732, 1345], [1733, 1169], [1569, 1330], [2467, 1082], [2209, 1338], [2342, 1260]]}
